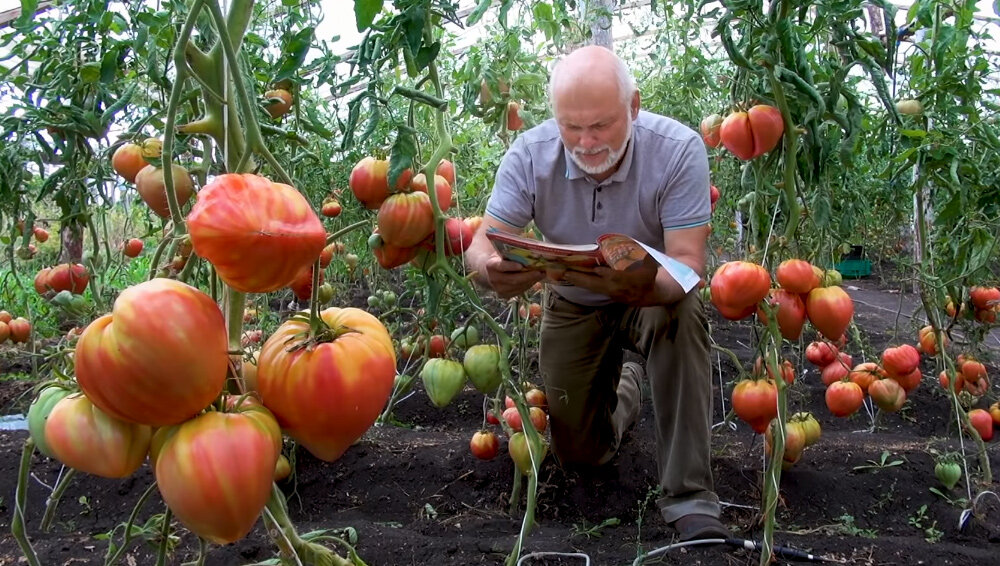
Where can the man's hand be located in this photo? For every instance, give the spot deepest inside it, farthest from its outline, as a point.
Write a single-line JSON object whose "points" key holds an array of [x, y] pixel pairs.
{"points": [[509, 278], [635, 286]]}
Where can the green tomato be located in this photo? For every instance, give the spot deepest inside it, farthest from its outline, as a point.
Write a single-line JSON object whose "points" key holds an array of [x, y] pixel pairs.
{"points": [[465, 336], [38, 415], [443, 380], [482, 365], [948, 473]]}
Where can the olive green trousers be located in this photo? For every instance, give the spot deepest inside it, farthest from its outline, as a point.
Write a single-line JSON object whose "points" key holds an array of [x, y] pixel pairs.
{"points": [[580, 357]]}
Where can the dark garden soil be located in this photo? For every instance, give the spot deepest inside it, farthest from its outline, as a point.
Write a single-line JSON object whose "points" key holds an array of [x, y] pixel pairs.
{"points": [[415, 495]]}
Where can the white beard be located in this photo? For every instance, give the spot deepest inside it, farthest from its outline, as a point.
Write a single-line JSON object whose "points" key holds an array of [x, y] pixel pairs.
{"points": [[609, 162]]}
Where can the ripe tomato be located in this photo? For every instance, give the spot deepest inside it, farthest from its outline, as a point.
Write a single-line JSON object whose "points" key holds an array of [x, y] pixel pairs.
{"points": [[127, 161], [278, 108], [132, 247], [327, 395], [258, 234], [446, 169], [865, 374], [369, 181], [215, 471], [41, 234], [536, 398], [301, 286], [995, 413], [795, 442], [821, 353], [5, 316], [901, 360], [20, 329], [72, 277], [982, 422], [539, 419], [797, 276], [388, 255], [910, 381], [4, 332], [331, 207], [791, 314], [710, 127], [442, 189], [837, 370], [149, 182], [42, 281], [713, 195], [85, 438], [927, 339], [458, 236], [787, 370], [830, 310], [473, 222], [843, 398], [737, 286], [482, 365], [752, 133], [513, 419], [514, 122], [984, 298], [405, 219], [756, 402], [484, 445], [159, 358], [443, 380]]}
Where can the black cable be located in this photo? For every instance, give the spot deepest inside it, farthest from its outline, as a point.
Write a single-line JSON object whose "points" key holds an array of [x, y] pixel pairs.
{"points": [[781, 551]]}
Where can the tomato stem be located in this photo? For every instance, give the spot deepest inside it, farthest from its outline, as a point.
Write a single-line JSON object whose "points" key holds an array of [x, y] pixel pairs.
{"points": [[131, 521], [53, 500], [20, 498]]}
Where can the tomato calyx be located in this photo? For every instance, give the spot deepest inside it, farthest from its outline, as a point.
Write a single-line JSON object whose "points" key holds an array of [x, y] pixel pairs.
{"points": [[319, 333]]}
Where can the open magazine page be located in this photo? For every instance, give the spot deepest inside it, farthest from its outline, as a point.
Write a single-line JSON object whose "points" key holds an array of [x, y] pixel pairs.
{"points": [[542, 255], [621, 251]]}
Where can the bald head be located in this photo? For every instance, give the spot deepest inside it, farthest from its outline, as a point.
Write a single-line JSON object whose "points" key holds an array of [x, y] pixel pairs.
{"points": [[591, 75]]}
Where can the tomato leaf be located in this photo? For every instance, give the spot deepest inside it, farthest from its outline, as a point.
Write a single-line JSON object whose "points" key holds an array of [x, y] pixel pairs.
{"points": [[365, 12], [28, 9], [295, 53], [90, 72], [401, 155], [478, 13], [913, 133]]}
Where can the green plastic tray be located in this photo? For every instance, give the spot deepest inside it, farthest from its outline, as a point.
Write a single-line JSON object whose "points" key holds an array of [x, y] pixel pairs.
{"points": [[855, 268]]}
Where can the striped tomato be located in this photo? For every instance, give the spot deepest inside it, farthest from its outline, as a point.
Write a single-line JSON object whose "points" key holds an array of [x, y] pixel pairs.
{"points": [[159, 358], [215, 470], [258, 234], [405, 219], [327, 393], [85, 438]]}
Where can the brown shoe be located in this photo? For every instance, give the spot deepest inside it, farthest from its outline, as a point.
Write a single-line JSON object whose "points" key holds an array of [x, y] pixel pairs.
{"points": [[698, 526]]}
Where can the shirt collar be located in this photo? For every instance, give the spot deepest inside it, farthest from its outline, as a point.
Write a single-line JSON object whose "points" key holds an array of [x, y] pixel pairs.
{"points": [[574, 172]]}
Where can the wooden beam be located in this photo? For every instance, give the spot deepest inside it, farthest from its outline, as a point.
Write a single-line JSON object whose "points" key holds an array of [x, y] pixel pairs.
{"points": [[8, 16]]}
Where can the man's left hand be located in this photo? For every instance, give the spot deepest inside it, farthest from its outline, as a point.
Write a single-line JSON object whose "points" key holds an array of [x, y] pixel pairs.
{"points": [[634, 286]]}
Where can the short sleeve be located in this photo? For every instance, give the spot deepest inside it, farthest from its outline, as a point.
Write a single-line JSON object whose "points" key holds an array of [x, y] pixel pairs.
{"points": [[685, 201], [511, 199]]}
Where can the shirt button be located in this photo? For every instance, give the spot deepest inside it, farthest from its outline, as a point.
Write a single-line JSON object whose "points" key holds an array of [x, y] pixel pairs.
{"points": [[599, 206], [598, 189]]}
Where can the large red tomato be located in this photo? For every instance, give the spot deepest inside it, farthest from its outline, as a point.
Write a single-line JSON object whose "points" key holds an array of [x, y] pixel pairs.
{"points": [[258, 234], [442, 189], [369, 181], [756, 402], [797, 276], [901, 360], [127, 161], [405, 219], [887, 394], [86, 438], [752, 133], [791, 313], [327, 395], [830, 310], [215, 470], [152, 188], [71, 277], [843, 398], [159, 358], [738, 286]]}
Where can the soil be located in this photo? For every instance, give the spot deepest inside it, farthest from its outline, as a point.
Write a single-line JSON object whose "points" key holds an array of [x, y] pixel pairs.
{"points": [[414, 494]]}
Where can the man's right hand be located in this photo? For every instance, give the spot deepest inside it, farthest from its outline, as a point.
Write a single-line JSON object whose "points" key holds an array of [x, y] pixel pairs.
{"points": [[509, 278]]}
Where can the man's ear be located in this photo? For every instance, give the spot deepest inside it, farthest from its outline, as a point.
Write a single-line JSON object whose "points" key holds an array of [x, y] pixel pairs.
{"points": [[634, 107]]}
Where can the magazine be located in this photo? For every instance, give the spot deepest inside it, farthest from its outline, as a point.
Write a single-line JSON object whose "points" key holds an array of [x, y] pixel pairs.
{"points": [[616, 251]]}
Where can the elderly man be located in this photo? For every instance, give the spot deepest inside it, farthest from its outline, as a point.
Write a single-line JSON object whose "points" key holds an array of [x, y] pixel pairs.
{"points": [[602, 165]]}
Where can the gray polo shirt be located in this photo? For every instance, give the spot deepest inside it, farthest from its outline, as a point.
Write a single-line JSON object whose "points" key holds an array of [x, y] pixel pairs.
{"points": [[662, 184]]}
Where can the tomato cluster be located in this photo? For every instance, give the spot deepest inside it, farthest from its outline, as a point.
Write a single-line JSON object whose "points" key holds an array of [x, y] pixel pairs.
{"points": [[747, 134], [17, 329]]}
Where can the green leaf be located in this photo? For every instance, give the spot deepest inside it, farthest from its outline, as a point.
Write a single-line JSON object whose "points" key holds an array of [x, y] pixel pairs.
{"points": [[365, 12], [426, 55], [90, 72], [413, 23], [402, 152], [913, 133], [28, 9], [821, 210], [109, 66], [480, 11], [295, 53]]}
